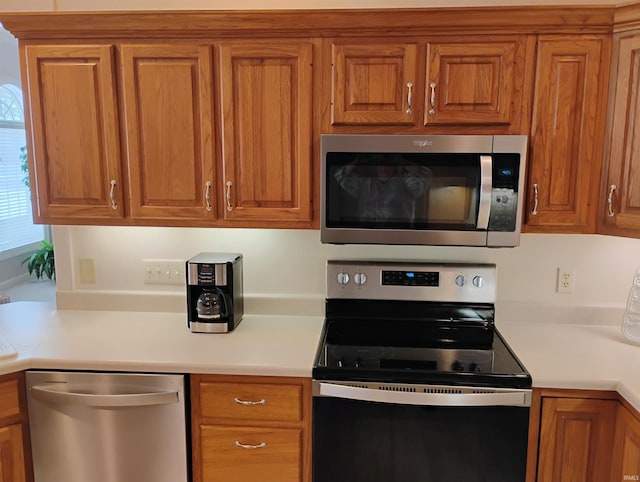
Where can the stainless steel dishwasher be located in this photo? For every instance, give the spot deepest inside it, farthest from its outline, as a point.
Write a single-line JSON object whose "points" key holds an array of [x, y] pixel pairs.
{"points": [[107, 427]]}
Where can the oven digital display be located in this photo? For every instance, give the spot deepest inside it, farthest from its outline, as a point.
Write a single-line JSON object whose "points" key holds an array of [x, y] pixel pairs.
{"points": [[410, 278]]}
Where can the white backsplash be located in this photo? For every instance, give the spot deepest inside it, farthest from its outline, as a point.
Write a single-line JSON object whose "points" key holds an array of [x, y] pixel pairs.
{"points": [[290, 264]]}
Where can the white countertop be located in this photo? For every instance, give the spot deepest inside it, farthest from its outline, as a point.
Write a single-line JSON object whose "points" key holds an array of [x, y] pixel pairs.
{"points": [[558, 355]]}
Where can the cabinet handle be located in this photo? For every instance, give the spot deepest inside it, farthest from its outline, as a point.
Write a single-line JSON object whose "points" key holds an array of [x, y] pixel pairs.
{"points": [[207, 195], [261, 445], [432, 86], [262, 401], [229, 206], [534, 211], [409, 98], [112, 195], [610, 211]]}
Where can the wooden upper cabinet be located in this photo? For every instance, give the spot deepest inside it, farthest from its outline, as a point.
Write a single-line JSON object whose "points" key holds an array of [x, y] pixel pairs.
{"points": [[471, 83], [576, 436], [373, 83], [266, 92], [626, 447], [74, 150], [620, 197], [428, 85], [168, 117], [567, 133]]}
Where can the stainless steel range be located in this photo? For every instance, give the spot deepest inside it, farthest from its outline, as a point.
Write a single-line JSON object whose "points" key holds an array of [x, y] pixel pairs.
{"points": [[412, 380]]}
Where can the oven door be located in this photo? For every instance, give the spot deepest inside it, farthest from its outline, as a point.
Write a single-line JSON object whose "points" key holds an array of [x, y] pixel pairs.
{"points": [[415, 433]]}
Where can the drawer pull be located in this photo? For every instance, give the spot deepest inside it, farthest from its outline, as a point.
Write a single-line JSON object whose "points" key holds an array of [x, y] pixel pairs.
{"points": [[262, 401], [261, 445]]}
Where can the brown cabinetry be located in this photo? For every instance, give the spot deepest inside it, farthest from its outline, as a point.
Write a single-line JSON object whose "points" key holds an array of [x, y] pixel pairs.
{"points": [[13, 431], [266, 95], [168, 124], [425, 83], [567, 133], [626, 448], [74, 150], [619, 211], [249, 428]]}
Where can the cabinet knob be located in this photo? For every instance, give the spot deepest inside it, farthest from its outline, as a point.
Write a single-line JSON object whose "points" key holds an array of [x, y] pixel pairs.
{"points": [[534, 211], [207, 195], [432, 98], [409, 111]]}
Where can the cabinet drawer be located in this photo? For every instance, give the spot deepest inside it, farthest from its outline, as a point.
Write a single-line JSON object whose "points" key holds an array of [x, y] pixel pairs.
{"points": [[248, 454], [251, 401], [9, 399]]}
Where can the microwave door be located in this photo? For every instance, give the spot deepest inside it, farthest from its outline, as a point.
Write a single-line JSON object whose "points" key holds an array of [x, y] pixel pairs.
{"points": [[486, 183]]}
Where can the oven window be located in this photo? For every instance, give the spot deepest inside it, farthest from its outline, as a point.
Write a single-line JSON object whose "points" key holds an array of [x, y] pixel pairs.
{"points": [[375, 442], [402, 191]]}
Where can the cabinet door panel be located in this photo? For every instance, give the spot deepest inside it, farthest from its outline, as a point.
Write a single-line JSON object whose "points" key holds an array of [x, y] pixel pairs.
{"points": [[470, 83], [266, 97], [251, 454], [624, 150], [12, 467], [566, 142], [75, 149], [576, 436], [168, 113], [370, 84], [626, 449]]}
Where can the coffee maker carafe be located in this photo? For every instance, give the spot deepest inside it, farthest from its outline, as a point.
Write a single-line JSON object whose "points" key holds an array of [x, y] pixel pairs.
{"points": [[214, 292]]}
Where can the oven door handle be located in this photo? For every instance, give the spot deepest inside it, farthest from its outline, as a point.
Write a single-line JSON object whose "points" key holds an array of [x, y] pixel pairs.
{"points": [[511, 398]]}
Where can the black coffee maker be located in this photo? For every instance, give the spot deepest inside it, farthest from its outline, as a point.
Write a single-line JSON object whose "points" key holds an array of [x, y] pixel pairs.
{"points": [[214, 292]]}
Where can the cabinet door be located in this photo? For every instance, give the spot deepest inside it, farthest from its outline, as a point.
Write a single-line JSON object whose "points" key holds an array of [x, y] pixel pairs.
{"points": [[251, 454], [12, 467], [74, 149], [471, 83], [168, 112], [566, 134], [626, 448], [576, 436], [266, 90], [373, 84], [621, 194]]}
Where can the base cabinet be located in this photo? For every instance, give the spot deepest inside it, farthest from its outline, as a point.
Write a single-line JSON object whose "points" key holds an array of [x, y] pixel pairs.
{"points": [[14, 462], [251, 429], [626, 448]]}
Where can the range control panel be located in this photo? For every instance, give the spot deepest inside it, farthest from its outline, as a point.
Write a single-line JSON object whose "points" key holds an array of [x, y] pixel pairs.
{"points": [[393, 280]]}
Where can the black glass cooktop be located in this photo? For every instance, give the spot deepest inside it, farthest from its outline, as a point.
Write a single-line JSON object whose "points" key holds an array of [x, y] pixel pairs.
{"points": [[437, 344]]}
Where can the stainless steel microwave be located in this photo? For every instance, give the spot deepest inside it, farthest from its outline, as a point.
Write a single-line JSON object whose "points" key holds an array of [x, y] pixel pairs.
{"points": [[443, 190]]}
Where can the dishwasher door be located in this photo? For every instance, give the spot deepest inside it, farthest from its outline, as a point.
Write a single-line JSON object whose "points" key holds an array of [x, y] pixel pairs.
{"points": [[107, 427]]}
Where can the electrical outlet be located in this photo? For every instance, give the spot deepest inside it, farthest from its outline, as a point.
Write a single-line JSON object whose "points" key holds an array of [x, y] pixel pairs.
{"points": [[163, 271], [565, 280]]}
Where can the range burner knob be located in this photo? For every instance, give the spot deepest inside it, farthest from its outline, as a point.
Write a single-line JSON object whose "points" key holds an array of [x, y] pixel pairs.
{"points": [[339, 363], [474, 367], [360, 278], [457, 366], [478, 281], [359, 363], [343, 278], [460, 281]]}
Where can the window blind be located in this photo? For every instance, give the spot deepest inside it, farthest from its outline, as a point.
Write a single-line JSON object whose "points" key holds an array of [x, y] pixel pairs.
{"points": [[16, 222]]}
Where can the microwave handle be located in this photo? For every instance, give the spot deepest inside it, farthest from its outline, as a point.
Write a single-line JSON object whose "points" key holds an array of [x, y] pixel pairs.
{"points": [[486, 186]]}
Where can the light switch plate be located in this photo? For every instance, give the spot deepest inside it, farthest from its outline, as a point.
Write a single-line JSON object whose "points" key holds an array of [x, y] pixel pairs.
{"points": [[164, 271]]}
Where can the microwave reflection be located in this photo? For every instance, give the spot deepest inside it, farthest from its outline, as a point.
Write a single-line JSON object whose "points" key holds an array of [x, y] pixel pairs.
{"points": [[386, 187]]}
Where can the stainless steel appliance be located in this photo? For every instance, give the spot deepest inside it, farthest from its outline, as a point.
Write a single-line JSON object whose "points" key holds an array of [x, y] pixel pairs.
{"points": [[455, 190], [412, 380], [107, 427], [214, 292]]}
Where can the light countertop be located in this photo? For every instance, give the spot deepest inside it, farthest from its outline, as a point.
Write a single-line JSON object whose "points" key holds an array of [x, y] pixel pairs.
{"points": [[558, 355]]}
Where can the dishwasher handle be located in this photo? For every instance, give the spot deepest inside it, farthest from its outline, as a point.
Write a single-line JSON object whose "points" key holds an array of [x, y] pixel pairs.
{"points": [[45, 393], [514, 398]]}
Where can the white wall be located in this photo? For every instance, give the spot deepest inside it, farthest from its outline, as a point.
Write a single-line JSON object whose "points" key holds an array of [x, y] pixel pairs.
{"points": [[291, 264]]}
